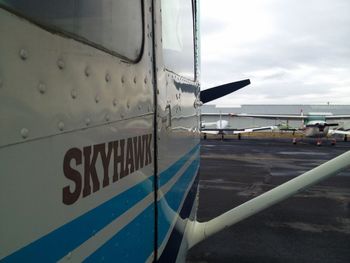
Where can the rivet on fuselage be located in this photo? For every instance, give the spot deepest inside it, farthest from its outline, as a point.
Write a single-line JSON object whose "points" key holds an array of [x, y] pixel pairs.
{"points": [[122, 115], [60, 64], [87, 121], [145, 80], [107, 118], [122, 79], [108, 77], [42, 88], [60, 125], [24, 133], [115, 102], [23, 54], [87, 71], [97, 98], [73, 93]]}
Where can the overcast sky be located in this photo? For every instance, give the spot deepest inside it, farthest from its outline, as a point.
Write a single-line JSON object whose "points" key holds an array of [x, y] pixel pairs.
{"points": [[294, 52]]}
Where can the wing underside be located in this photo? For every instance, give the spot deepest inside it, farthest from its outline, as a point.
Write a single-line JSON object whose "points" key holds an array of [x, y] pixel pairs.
{"points": [[237, 131]]}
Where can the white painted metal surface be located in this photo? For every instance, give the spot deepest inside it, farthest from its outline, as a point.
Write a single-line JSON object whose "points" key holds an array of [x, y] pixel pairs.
{"points": [[59, 94], [177, 133]]}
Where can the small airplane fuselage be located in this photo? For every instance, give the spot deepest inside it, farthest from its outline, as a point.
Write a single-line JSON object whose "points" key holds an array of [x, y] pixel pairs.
{"points": [[316, 128], [316, 132]]}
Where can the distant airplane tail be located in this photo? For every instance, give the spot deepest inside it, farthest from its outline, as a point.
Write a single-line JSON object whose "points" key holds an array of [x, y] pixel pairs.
{"points": [[302, 120]]}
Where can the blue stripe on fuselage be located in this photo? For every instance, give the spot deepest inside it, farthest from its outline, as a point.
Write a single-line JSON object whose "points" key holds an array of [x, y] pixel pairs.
{"points": [[170, 203], [128, 239], [173, 244], [66, 238], [61, 241]]}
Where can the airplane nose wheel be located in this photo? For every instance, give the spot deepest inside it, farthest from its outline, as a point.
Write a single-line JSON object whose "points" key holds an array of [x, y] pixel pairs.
{"points": [[318, 142], [333, 142], [294, 141]]}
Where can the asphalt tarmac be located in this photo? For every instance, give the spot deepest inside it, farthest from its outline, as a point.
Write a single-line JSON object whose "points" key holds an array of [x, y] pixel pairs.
{"points": [[312, 226]]}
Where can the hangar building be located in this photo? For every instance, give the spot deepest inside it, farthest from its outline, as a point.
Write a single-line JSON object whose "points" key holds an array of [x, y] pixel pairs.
{"points": [[212, 113]]}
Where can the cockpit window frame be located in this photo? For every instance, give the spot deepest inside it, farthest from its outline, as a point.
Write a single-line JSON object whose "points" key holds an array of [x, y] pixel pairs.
{"points": [[63, 33]]}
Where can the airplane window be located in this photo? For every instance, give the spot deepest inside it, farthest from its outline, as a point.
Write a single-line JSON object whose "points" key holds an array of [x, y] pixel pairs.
{"points": [[177, 35], [115, 25]]}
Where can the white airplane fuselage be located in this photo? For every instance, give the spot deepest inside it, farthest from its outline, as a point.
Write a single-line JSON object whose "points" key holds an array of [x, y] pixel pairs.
{"points": [[100, 142], [316, 129], [99, 145]]}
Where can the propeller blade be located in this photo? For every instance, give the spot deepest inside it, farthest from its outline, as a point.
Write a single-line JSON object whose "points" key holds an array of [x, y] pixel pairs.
{"points": [[222, 90]]}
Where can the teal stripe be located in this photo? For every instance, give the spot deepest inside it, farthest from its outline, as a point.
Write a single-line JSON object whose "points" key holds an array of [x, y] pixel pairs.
{"points": [[66, 238], [170, 204], [127, 245], [61, 241], [166, 175]]}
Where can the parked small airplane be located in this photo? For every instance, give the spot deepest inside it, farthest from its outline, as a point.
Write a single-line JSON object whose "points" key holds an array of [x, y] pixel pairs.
{"points": [[222, 127], [314, 125]]}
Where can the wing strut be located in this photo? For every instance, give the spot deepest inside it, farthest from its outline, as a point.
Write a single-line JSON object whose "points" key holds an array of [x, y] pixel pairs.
{"points": [[203, 230]]}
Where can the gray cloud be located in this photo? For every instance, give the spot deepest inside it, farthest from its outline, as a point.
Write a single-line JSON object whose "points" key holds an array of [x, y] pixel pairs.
{"points": [[297, 58], [210, 25]]}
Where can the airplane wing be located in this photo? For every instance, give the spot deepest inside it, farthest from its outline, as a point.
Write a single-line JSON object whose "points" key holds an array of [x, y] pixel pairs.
{"points": [[337, 117], [208, 130], [236, 131], [205, 124], [331, 132], [270, 116], [255, 129], [211, 131]]}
